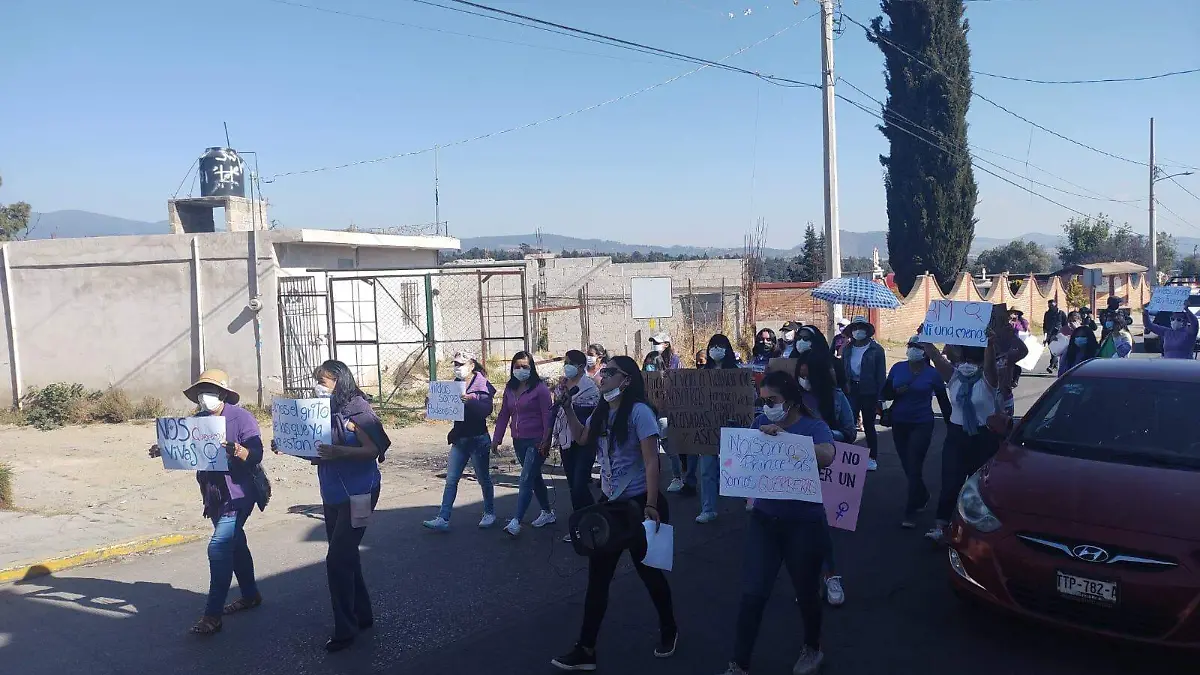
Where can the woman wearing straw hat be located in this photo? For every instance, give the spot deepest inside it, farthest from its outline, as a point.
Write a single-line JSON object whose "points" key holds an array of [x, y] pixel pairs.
{"points": [[229, 498]]}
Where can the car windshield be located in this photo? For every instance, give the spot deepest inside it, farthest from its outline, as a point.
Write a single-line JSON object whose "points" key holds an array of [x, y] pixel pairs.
{"points": [[1126, 421]]}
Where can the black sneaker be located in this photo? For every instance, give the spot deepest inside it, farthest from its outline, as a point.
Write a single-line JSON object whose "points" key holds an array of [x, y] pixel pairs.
{"points": [[666, 647], [578, 659]]}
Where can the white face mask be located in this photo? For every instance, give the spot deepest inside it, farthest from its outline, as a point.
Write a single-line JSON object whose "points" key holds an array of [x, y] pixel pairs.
{"points": [[1176, 324], [322, 391], [521, 374], [592, 360], [968, 369], [463, 371], [716, 353], [803, 345], [209, 402], [571, 371], [775, 412], [915, 353], [660, 347], [804, 383], [612, 394], [859, 334], [788, 335]]}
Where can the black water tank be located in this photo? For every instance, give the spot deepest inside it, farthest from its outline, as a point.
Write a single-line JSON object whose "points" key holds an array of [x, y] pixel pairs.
{"points": [[222, 173]]}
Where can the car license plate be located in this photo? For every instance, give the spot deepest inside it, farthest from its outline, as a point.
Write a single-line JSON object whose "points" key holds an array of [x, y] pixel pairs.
{"points": [[1087, 590]]}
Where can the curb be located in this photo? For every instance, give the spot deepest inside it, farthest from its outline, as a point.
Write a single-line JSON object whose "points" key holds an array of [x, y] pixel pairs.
{"points": [[93, 555]]}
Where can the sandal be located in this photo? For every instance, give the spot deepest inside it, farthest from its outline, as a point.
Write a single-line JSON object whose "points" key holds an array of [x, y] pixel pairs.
{"points": [[242, 604], [207, 625]]}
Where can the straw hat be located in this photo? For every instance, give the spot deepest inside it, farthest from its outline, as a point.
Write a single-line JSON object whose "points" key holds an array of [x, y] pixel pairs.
{"points": [[216, 378]]}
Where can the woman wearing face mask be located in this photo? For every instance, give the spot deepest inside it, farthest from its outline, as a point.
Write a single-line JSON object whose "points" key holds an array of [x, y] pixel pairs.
{"points": [[625, 429], [912, 386], [597, 356], [784, 532], [720, 356], [1178, 340], [527, 406], [764, 351], [469, 442], [661, 343], [348, 473], [865, 366], [787, 339], [974, 396], [1083, 346], [577, 459], [229, 499], [1117, 343]]}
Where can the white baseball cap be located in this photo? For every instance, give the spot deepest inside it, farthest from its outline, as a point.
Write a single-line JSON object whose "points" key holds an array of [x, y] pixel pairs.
{"points": [[660, 338]]}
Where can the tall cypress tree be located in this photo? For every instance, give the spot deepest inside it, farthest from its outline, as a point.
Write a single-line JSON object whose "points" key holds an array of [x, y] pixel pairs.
{"points": [[930, 185]]}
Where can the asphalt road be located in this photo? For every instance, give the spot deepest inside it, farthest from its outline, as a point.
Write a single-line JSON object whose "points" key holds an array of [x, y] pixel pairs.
{"points": [[476, 601]]}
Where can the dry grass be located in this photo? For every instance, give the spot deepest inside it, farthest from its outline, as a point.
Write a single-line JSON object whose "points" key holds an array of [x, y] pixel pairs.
{"points": [[6, 495]]}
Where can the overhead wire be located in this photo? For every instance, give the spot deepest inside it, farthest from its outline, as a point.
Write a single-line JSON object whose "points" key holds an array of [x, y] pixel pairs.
{"points": [[1181, 187], [1102, 80], [529, 125]]}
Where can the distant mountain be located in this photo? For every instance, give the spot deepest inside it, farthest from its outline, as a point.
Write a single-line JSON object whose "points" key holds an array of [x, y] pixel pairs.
{"points": [[72, 224]]}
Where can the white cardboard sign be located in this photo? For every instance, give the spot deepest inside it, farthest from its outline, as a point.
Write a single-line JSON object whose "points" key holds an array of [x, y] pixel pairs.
{"points": [[759, 466], [193, 443], [1169, 299], [299, 425], [445, 401], [956, 322]]}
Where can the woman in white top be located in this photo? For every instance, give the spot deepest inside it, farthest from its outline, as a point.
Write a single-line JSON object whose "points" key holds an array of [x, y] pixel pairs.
{"points": [[972, 387]]}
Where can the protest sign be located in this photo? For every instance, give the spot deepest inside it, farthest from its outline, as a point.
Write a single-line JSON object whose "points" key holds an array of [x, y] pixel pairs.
{"points": [[787, 365], [759, 466], [1169, 299], [699, 402], [842, 485], [193, 443], [1035, 348], [955, 322], [299, 425], [656, 391], [445, 401]]}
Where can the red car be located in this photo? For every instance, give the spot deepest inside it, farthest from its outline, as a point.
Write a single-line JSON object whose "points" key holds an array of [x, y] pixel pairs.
{"points": [[1088, 517]]}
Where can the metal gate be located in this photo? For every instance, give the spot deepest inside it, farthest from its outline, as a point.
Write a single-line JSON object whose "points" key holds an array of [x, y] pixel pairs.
{"points": [[303, 333], [397, 331]]}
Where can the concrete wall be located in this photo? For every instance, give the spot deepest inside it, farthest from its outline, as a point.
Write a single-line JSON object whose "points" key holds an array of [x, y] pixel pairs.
{"points": [[300, 257], [120, 312]]}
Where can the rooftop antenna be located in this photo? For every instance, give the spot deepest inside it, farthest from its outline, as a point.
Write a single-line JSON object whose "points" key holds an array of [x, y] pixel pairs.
{"points": [[226, 125]]}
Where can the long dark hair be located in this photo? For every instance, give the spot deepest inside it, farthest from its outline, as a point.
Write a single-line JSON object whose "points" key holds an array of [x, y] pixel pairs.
{"points": [[788, 388], [722, 341], [761, 349], [654, 359], [534, 378], [822, 382], [345, 389], [818, 344], [634, 393], [1072, 355]]}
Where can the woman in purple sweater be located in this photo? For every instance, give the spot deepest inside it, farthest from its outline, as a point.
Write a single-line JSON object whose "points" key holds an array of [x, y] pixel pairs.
{"points": [[526, 407], [469, 442], [1178, 339]]}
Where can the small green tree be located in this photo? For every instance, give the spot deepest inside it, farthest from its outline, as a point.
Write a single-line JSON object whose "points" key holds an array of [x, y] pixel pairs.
{"points": [[14, 220], [1190, 266], [1017, 256], [1076, 294]]}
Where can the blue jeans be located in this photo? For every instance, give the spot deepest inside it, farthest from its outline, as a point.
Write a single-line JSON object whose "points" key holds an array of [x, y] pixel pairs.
{"points": [[343, 568], [710, 481], [771, 542], [229, 555], [476, 450], [531, 476], [577, 465], [677, 468]]}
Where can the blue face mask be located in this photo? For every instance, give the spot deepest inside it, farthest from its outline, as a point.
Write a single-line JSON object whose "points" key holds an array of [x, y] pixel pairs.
{"points": [[1108, 325], [650, 368], [1081, 341]]}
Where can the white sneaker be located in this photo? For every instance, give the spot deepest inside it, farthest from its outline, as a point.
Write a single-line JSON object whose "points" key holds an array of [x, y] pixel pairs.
{"points": [[439, 524], [809, 662], [937, 534], [706, 517], [567, 538], [835, 595], [488, 520], [872, 465], [675, 486], [749, 504], [546, 518], [513, 527]]}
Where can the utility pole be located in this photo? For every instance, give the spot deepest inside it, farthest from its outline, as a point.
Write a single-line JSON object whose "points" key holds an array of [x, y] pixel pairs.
{"points": [[1153, 231], [833, 248], [437, 205]]}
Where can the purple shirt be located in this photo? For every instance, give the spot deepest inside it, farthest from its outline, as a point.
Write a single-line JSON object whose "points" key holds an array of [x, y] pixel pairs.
{"points": [[529, 414], [1176, 343], [240, 427]]}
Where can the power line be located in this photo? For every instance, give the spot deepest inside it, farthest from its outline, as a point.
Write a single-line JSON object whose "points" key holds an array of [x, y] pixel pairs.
{"points": [[600, 38], [976, 94], [1103, 80], [1177, 216], [443, 31], [1180, 186], [547, 120]]}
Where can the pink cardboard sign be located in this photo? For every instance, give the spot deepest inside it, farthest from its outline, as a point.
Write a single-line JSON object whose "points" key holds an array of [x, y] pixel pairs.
{"points": [[842, 485]]}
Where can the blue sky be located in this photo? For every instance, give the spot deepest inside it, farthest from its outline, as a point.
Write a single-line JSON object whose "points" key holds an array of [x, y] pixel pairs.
{"points": [[117, 98]]}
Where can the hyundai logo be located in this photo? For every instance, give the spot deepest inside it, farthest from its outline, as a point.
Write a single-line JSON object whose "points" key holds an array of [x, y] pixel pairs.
{"points": [[1088, 553]]}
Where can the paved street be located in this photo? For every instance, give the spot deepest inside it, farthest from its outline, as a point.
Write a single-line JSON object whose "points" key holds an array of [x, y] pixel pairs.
{"points": [[477, 602]]}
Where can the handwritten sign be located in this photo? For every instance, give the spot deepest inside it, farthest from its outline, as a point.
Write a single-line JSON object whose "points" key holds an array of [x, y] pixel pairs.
{"points": [[1169, 299], [193, 443], [445, 401], [955, 322], [699, 402], [759, 466], [656, 391], [300, 425], [787, 365], [842, 485]]}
